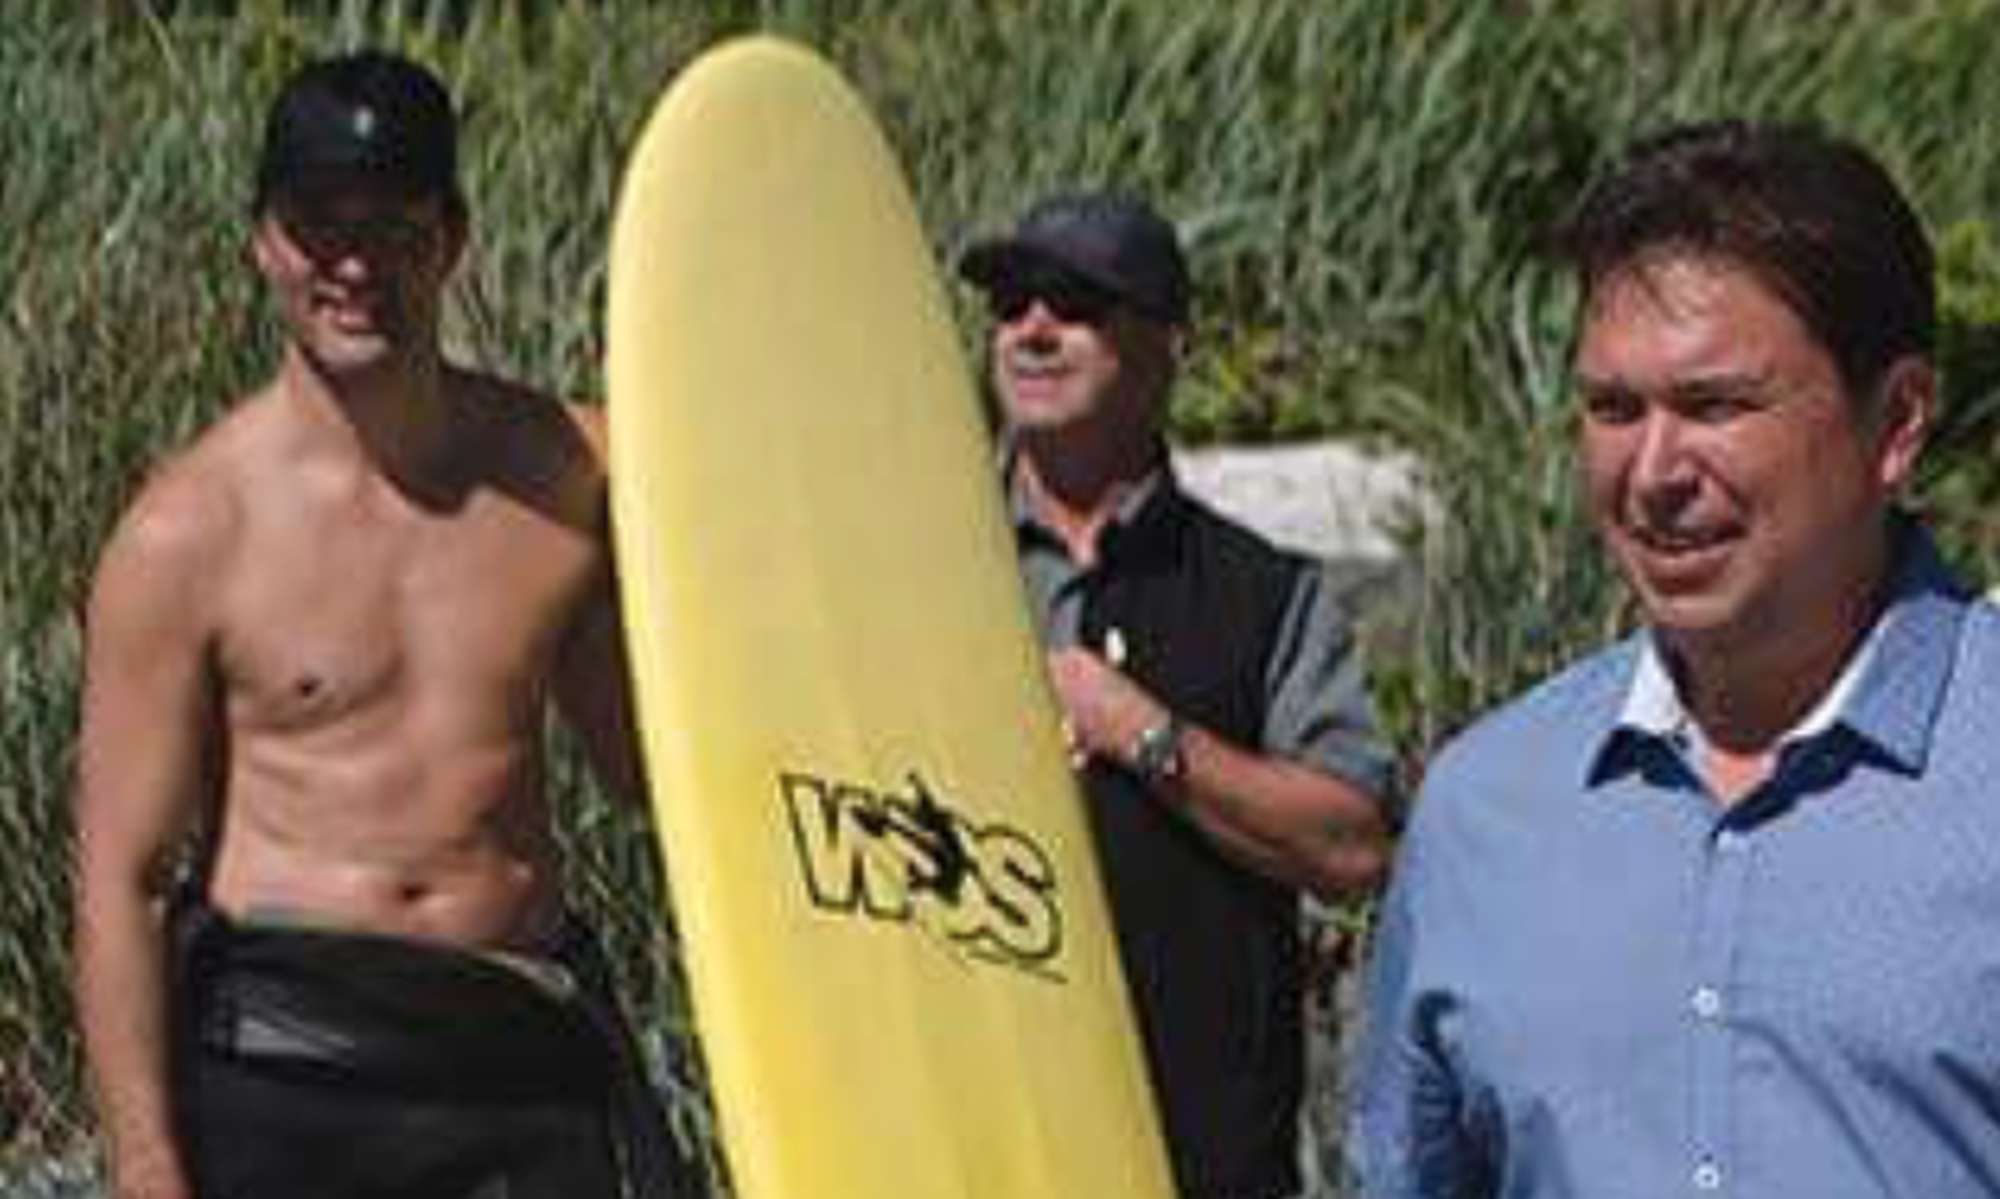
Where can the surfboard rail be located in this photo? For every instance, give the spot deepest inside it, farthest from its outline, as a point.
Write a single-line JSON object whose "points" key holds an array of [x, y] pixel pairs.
{"points": [[903, 972]]}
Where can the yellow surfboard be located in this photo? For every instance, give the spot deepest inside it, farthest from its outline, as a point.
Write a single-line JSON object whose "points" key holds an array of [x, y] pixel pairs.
{"points": [[903, 972]]}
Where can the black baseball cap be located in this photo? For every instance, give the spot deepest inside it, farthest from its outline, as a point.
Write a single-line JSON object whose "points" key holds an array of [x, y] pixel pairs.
{"points": [[368, 113], [1114, 241]]}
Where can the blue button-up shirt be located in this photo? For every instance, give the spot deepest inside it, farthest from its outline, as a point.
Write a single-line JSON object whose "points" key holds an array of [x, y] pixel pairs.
{"points": [[1591, 979]]}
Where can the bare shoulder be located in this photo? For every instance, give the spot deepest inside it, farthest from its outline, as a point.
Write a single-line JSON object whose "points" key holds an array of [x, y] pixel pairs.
{"points": [[546, 452], [590, 421], [184, 521]]}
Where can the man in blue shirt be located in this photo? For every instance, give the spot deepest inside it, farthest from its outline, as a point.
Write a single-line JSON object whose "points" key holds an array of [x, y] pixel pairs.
{"points": [[1717, 910]]}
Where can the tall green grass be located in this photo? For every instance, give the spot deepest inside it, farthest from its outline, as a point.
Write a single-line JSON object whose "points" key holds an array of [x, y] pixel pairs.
{"points": [[1363, 185]]}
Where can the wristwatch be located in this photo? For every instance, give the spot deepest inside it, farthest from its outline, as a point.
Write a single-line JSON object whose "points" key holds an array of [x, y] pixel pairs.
{"points": [[1156, 752]]}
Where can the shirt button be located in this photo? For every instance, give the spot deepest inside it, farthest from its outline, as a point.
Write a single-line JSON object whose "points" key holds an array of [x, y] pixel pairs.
{"points": [[1706, 1002], [1707, 1176], [1730, 841]]}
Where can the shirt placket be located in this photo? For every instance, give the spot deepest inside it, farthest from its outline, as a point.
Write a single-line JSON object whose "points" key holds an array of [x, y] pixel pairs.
{"points": [[1076, 595], [1067, 605], [1728, 851], [1056, 588]]}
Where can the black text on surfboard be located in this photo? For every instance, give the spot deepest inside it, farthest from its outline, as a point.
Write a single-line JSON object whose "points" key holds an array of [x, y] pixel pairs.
{"points": [[989, 892]]}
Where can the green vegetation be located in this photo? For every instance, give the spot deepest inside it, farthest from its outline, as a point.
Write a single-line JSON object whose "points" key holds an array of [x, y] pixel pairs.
{"points": [[1363, 184]]}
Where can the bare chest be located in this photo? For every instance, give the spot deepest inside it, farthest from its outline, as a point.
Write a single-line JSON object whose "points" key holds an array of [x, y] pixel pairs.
{"points": [[337, 616]]}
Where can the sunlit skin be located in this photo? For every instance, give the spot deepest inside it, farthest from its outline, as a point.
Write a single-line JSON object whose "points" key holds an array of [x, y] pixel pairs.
{"points": [[330, 629], [1740, 486], [1081, 388], [356, 272]]}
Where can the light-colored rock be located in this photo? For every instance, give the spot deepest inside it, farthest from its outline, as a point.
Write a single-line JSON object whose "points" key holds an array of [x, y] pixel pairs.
{"points": [[1327, 498]]}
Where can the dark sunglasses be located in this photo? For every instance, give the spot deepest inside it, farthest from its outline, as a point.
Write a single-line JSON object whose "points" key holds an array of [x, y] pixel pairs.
{"points": [[322, 235], [1072, 301]]}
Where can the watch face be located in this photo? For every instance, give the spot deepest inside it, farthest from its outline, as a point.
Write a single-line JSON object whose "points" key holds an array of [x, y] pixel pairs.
{"points": [[1158, 752]]}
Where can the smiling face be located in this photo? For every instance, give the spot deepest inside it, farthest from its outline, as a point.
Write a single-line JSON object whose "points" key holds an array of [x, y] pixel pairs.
{"points": [[358, 271], [1738, 484], [1068, 356]]}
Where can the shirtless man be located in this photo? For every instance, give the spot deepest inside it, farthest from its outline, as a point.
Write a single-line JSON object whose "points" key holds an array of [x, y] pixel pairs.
{"points": [[323, 638]]}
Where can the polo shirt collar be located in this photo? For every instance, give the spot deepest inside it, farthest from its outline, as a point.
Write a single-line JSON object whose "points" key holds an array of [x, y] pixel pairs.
{"points": [[1144, 512], [1888, 695]]}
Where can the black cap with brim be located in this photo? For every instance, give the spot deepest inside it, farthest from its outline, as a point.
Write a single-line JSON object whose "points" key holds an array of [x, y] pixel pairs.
{"points": [[373, 115], [1115, 242]]}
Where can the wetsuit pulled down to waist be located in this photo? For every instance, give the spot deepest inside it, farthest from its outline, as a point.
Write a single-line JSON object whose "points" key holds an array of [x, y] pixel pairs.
{"points": [[331, 1064]]}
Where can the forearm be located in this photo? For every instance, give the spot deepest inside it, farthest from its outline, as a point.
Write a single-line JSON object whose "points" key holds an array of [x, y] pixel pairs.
{"points": [[122, 1007], [1282, 819]]}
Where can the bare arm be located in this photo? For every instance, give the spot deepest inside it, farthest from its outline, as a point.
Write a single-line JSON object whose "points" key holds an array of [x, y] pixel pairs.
{"points": [[148, 721], [593, 691], [1283, 819], [592, 683]]}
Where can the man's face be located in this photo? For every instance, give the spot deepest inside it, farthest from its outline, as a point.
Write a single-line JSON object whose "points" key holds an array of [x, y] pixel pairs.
{"points": [[1068, 354], [358, 269], [1737, 483]]}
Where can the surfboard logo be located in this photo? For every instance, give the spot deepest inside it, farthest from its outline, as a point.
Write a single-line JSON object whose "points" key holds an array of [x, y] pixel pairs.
{"points": [[987, 892]]}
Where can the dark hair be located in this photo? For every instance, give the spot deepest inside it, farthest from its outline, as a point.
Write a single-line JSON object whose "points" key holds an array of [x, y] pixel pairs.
{"points": [[1814, 218]]}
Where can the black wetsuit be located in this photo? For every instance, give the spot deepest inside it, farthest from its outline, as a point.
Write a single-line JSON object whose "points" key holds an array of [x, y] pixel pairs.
{"points": [[323, 1065]]}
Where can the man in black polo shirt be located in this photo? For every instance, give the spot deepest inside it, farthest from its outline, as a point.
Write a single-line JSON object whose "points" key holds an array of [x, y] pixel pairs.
{"points": [[1210, 692]]}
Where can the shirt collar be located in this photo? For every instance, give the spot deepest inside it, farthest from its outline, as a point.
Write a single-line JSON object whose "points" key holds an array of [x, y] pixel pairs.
{"points": [[1888, 694], [1143, 505], [1895, 703], [1653, 704]]}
